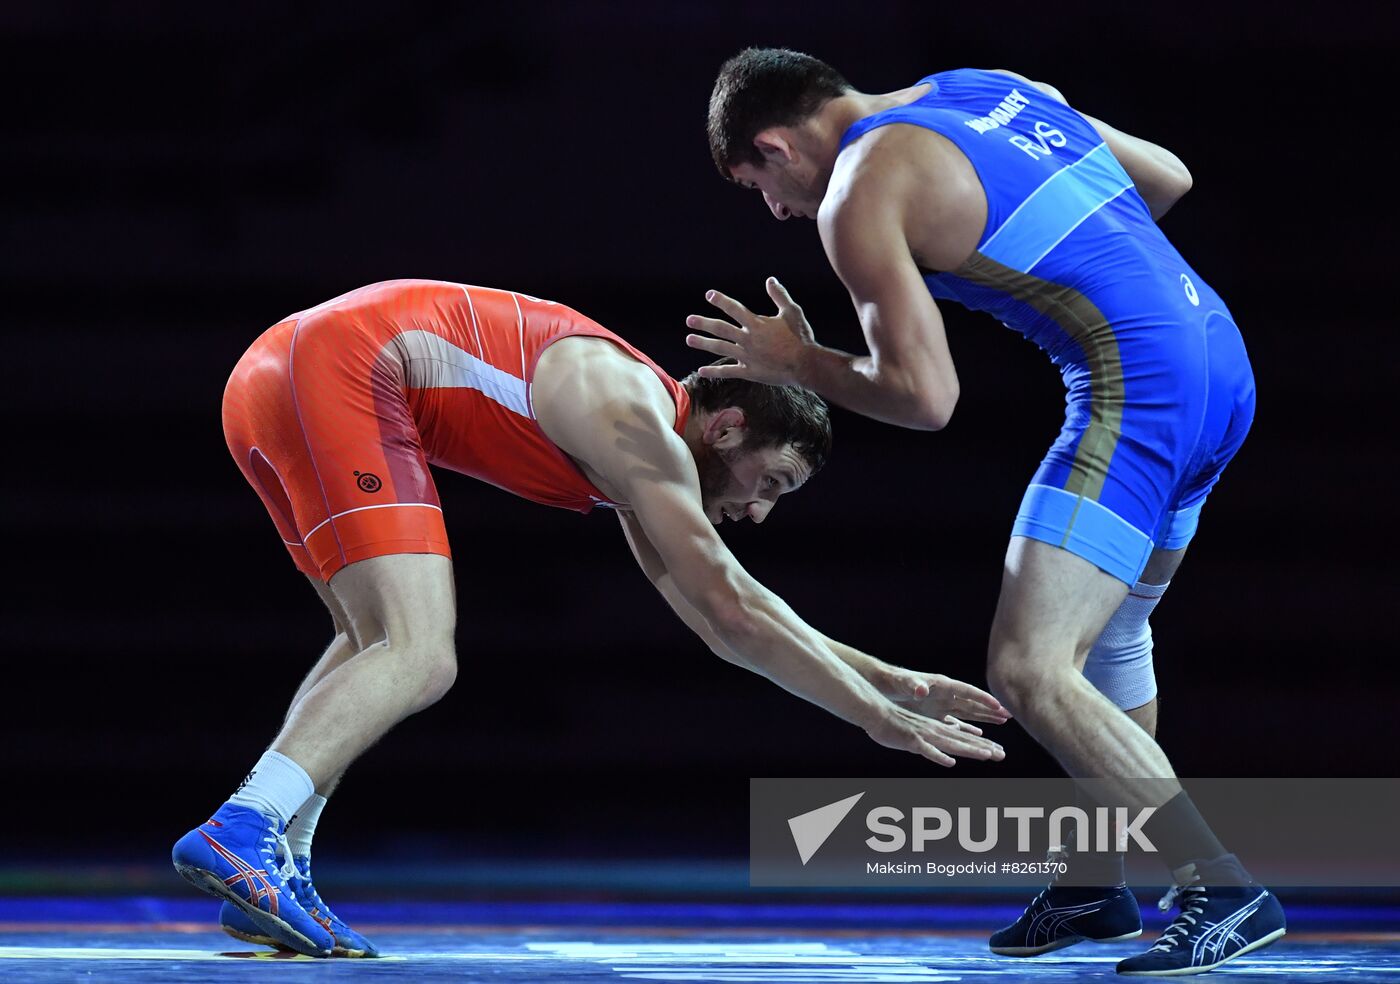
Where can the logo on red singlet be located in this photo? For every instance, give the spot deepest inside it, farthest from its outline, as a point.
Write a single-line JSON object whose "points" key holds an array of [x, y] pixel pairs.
{"points": [[369, 482]]}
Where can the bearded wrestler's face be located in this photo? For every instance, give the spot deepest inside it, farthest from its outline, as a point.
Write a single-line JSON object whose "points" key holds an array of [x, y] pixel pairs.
{"points": [[738, 483]]}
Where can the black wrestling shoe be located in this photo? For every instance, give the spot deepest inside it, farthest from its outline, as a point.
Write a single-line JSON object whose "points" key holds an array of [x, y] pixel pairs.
{"points": [[1216, 924], [1063, 915]]}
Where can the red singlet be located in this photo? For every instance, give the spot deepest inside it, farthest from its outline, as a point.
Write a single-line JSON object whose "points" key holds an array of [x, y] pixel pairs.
{"points": [[335, 413]]}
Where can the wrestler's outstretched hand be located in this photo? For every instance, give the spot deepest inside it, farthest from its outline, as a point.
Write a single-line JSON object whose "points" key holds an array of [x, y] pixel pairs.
{"points": [[768, 348], [935, 695], [936, 740]]}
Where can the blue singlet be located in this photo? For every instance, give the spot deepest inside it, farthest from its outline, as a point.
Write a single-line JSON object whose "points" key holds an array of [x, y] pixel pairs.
{"points": [[1161, 393]]}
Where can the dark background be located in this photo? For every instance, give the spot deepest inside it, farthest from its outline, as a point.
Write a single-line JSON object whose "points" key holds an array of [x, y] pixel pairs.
{"points": [[176, 178]]}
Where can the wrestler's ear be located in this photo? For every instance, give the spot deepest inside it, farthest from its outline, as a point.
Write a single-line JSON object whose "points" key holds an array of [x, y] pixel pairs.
{"points": [[725, 429], [775, 144]]}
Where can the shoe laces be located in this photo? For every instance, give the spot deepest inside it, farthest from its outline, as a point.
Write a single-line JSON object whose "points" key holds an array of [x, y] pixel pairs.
{"points": [[1052, 856], [310, 891], [289, 870], [1193, 900], [274, 845]]}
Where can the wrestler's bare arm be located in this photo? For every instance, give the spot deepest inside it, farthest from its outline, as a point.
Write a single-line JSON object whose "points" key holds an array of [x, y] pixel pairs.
{"points": [[907, 378], [619, 422], [931, 694], [864, 229]]}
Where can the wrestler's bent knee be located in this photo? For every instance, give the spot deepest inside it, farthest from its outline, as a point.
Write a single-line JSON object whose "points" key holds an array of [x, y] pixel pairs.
{"points": [[439, 676]]}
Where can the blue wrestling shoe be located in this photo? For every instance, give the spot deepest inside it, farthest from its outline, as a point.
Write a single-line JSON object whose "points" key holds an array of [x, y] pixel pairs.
{"points": [[233, 856], [1063, 915], [1217, 923], [348, 943]]}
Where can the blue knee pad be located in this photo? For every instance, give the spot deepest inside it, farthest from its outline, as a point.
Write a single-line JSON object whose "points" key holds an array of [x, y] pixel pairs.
{"points": [[1120, 664]]}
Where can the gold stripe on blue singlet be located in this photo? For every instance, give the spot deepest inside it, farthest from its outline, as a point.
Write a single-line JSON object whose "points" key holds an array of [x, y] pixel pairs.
{"points": [[1082, 321]]}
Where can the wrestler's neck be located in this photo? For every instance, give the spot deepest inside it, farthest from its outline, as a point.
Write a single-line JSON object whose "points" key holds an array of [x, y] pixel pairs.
{"points": [[694, 433], [820, 134]]}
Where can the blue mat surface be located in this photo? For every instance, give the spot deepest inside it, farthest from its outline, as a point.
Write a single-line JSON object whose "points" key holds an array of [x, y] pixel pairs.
{"points": [[174, 939]]}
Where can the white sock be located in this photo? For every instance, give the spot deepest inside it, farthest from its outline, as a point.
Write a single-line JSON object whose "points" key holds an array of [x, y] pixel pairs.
{"points": [[276, 787], [302, 827]]}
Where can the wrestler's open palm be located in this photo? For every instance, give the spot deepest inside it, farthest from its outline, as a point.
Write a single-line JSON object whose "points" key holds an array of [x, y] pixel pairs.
{"points": [[936, 740], [937, 696], [768, 348]]}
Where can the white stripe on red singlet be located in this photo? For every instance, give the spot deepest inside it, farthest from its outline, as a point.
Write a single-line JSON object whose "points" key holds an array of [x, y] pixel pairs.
{"points": [[384, 505], [435, 363]]}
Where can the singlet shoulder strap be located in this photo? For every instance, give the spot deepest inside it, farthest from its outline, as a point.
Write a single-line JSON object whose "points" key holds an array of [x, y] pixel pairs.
{"points": [[908, 113]]}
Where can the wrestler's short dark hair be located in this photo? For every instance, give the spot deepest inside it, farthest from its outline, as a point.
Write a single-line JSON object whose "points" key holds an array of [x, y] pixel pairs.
{"points": [[774, 415], [763, 87]]}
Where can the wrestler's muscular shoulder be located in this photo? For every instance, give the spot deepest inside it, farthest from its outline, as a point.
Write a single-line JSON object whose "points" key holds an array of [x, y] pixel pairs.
{"points": [[586, 390], [914, 176]]}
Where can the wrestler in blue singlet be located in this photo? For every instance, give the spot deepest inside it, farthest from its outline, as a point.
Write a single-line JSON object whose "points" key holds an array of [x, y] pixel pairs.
{"points": [[1160, 392]]}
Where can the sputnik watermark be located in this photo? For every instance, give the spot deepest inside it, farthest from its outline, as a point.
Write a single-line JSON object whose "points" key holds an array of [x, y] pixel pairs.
{"points": [[1000, 832], [884, 823], [1065, 825]]}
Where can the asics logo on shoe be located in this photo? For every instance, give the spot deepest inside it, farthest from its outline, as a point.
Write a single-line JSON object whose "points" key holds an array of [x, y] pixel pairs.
{"points": [[1047, 924], [1214, 939], [254, 882]]}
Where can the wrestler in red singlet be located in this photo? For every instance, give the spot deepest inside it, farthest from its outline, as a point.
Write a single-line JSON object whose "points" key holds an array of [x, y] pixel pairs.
{"points": [[336, 412]]}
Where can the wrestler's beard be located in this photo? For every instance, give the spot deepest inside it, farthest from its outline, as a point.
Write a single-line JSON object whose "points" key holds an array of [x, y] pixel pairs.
{"points": [[716, 473]]}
